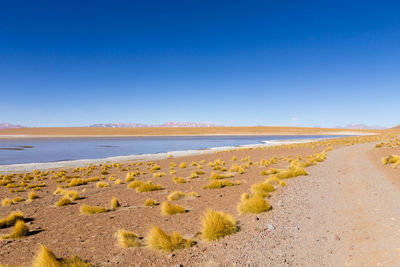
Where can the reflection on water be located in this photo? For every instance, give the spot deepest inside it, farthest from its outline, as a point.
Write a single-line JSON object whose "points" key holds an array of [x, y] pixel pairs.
{"points": [[27, 150]]}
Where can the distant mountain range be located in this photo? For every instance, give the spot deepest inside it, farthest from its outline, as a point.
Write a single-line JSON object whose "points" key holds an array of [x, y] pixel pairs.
{"points": [[140, 125], [361, 127], [6, 125]]}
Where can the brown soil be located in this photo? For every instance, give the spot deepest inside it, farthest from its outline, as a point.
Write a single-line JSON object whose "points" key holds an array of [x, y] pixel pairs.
{"points": [[85, 131], [344, 212]]}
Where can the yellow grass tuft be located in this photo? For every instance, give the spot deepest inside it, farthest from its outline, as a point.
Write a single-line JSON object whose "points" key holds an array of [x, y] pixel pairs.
{"points": [[128, 239], [102, 184], [118, 181], [176, 195], [182, 165], [150, 202], [218, 176], [178, 180], [6, 202], [253, 204], [86, 209], [135, 184], [11, 219], [168, 209], [32, 195], [157, 239], [18, 199], [64, 201], [216, 225], [77, 182], [114, 203], [262, 189], [147, 187], [130, 176], [20, 230], [159, 174], [46, 258], [220, 184]]}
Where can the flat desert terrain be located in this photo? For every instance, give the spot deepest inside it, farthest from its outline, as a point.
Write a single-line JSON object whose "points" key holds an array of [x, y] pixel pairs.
{"points": [[151, 131], [330, 202]]}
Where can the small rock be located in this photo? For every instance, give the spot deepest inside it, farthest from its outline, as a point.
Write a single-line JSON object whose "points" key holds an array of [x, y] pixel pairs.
{"points": [[170, 256], [271, 227]]}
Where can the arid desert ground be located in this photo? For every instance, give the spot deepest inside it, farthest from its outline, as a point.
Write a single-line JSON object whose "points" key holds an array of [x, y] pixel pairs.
{"points": [[330, 203]]}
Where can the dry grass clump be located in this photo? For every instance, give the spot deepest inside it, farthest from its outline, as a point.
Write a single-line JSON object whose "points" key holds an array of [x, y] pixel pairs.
{"points": [[135, 184], [18, 199], [236, 168], [179, 195], [391, 159], [159, 174], [118, 181], [217, 176], [130, 176], [128, 239], [178, 180], [220, 184], [168, 209], [262, 189], [20, 230], [115, 203], [102, 184], [64, 201], [74, 195], [148, 187], [32, 195], [11, 219], [7, 202], [150, 202], [157, 239], [86, 209], [216, 225], [46, 258], [182, 165], [77, 182], [252, 204]]}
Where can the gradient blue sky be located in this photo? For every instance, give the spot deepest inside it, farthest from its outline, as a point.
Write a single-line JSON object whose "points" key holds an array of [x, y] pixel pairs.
{"points": [[325, 63]]}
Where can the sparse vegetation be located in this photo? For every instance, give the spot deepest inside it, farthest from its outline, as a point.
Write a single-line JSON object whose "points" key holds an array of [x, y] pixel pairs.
{"points": [[148, 187], [216, 225], [253, 204], [128, 239], [86, 209], [114, 203], [157, 239], [102, 184], [46, 258], [220, 184], [20, 230], [64, 201], [150, 202], [11, 219], [168, 209]]}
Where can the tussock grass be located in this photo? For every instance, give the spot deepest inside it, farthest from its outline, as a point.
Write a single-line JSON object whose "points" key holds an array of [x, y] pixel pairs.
{"points": [[148, 187], [168, 209], [218, 176], [172, 172], [159, 174], [114, 203], [391, 159], [74, 195], [128, 239], [220, 184], [20, 230], [86, 209], [216, 225], [102, 184], [291, 172], [182, 165], [7, 202], [32, 195], [18, 199], [262, 189], [64, 201], [157, 239], [46, 258], [130, 176], [176, 195], [150, 202], [77, 182], [118, 181], [135, 184], [236, 168], [252, 204], [11, 219], [178, 180]]}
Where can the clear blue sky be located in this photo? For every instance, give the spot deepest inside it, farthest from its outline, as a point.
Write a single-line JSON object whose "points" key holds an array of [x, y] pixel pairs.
{"points": [[325, 63]]}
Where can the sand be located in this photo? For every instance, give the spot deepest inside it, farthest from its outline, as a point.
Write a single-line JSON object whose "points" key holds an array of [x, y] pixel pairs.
{"points": [[345, 212]]}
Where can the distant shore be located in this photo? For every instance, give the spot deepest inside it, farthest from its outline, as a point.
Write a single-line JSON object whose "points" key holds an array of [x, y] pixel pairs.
{"points": [[71, 132]]}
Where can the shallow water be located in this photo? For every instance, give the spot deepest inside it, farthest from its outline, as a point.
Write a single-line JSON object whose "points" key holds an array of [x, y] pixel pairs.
{"points": [[29, 150]]}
